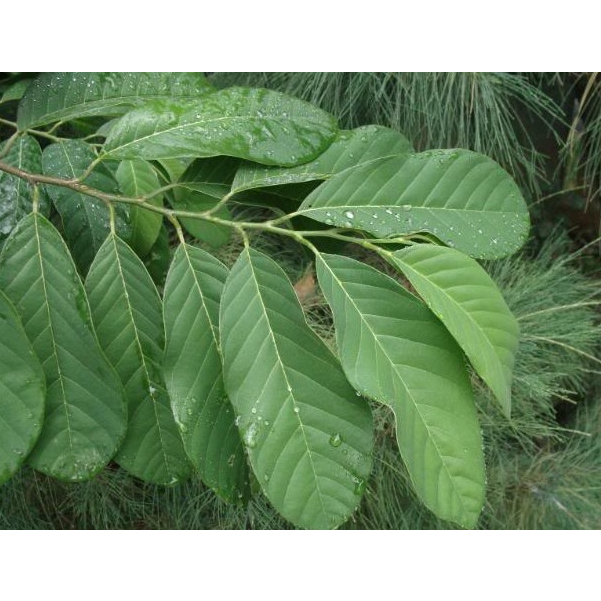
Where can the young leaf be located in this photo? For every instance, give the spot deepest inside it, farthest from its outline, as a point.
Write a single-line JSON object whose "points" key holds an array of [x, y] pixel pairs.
{"points": [[126, 309], [16, 194], [308, 435], [467, 301], [463, 198], [203, 184], [85, 219], [349, 150], [259, 125], [85, 411], [22, 392], [395, 351], [193, 372], [67, 96], [136, 179]]}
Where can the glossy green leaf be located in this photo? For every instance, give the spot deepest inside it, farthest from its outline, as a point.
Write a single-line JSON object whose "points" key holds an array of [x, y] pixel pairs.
{"points": [[137, 179], [193, 372], [470, 305], [127, 313], [202, 185], [259, 125], [16, 194], [308, 435], [463, 198], [66, 96], [85, 417], [85, 219], [22, 392], [349, 150], [395, 351]]}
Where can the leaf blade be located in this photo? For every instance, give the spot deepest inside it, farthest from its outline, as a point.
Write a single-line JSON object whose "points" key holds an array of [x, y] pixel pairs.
{"points": [[127, 313], [465, 199], [137, 179], [85, 218], [258, 125], [292, 399], [22, 392], [194, 375], [471, 307], [16, 199], [85, 412], [66, 96], [393, 350], [349, 150]]}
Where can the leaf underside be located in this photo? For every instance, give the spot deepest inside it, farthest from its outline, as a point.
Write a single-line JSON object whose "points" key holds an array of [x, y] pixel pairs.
{"points": [[394, 350], [308, 435], [85, 417], [127, 313]]}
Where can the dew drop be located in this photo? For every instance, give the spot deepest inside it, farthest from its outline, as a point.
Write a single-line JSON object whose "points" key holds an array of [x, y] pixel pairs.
{"points": [[296, 410], [349, 215], [359, 486], [336, 440], [406, 207]]}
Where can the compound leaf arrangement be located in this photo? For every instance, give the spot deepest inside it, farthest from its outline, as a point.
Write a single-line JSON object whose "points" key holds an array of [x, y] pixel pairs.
{"points": [[110, 181]]}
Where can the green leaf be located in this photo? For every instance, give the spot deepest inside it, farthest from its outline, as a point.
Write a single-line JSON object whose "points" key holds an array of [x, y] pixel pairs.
{"points": [[66, 96], [136, 179], [22, 392], [85, 218], [395, 351], [203, 184], [85, 411], [349, 150], [308, 435], [16, 91], [463, 198], [16, 194], [470, 305], [127, 313], [259, 125], [193, 372]]}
